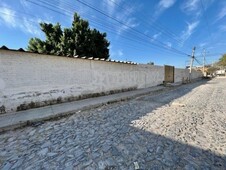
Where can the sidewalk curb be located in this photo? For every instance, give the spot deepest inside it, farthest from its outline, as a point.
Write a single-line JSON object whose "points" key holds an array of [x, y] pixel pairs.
{"points": [[28, 117]]}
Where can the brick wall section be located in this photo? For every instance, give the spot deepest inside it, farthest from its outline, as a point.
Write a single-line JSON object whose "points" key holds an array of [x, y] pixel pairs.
{"points": [[29, 77]]}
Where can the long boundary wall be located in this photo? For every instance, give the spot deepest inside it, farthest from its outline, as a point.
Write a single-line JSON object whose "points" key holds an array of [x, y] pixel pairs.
{"points": [[31, 80]]}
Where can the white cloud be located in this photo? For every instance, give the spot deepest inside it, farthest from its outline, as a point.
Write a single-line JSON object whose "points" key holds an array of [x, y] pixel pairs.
{"points": [[25, 4], [111, 5], [114, 9], [30, 28], [7, 16], [222, 13], [120, 53], [196, 7], [201, 45], [123, 14], [128, 24], [223, 27], [155, 36], [189, 30], [116, 53], [190, 5], [125, 17], [162, 6], [166, 3], [168, 44]]}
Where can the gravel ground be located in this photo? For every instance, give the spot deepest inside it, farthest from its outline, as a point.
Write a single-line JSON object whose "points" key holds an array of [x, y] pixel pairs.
{"points": [[183, 128]]}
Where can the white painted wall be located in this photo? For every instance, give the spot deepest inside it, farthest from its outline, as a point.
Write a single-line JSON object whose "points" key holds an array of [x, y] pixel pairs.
{"points": [[179, 74], [26, 77], [184, 73]]}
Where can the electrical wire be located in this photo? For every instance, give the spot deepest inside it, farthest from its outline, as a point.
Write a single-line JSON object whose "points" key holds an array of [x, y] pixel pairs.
{"points": [[198, 61], [156, 26], [135, 30], [128, 45], [64, 14], [141, 40]]}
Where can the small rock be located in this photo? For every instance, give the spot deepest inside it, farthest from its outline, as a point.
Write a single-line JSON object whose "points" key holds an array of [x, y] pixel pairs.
{"points": [[46, 144], [7, 166], [106, 147], [167, 162], [32, 133], [68, 165], [51, 154], [78, 153], [189, 167], [115, 152], [43, 152], [150, 157], [110, 162], [70, 156], [178, 104], [101, 165], [95, 155], [10, 139], [136, 165], [159, 150], [87, 163], [17, 164]]}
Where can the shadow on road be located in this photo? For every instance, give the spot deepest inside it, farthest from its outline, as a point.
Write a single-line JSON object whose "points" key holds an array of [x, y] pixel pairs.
{"points": [[105, 138]]}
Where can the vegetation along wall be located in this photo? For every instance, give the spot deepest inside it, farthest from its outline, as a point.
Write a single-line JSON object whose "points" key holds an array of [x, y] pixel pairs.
{"points": [[29, 80]]}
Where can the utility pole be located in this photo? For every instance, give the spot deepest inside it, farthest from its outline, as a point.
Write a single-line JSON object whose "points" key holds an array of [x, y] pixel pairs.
{"points": [[191, 64], [204, 60]]}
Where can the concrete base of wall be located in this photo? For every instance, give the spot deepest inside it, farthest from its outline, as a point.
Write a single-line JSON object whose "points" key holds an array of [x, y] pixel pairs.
{"points": [[34, 99]]}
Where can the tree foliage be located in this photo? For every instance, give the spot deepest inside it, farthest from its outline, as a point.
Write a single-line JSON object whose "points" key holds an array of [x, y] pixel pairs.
{"points": [[222, 61], [79, 40], [212, 69]]}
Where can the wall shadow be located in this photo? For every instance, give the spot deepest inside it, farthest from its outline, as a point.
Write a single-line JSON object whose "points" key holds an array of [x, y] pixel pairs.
{"points": [[154, 151], [104, 138]]}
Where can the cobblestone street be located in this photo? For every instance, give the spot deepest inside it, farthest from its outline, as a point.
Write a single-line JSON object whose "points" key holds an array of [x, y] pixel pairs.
{"points": [[181, 128]]}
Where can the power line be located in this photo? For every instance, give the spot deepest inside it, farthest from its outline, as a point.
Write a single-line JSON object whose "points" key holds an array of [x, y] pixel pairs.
{"points": [[105, 14], [210, 55], [129, 27], [46, 7], [33, 22], [138, 38], [156, 26], [124, 24], [109, 30], [197, 61]]}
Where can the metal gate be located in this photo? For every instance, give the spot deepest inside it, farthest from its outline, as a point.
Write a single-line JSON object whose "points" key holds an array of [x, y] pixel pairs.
{"points": [[169, 74]]}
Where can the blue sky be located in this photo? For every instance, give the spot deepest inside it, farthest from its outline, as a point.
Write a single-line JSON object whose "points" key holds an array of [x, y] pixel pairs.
{"points": [[159, 31]]}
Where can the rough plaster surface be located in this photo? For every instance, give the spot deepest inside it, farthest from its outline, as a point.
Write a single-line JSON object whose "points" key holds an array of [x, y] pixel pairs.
{"points": [[28, 77]]}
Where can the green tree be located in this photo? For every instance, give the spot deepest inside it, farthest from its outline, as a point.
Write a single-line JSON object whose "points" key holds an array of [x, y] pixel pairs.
{"points": [[222, 61], [78, 40], [37, 45]]}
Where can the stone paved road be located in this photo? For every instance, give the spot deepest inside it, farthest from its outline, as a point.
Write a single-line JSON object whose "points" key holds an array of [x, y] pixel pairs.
{"points": [[184, 128]]}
